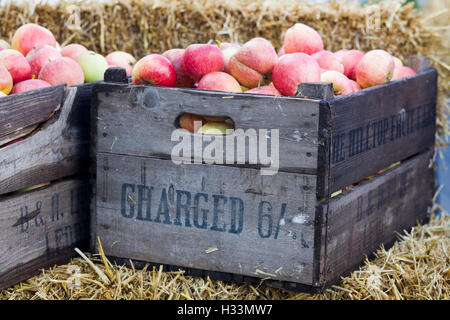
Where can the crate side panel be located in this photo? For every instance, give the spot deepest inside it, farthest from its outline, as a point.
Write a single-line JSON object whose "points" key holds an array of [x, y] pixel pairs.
{"points": [[141, 121], [365, 217], [153, 210], [41, 227], [59, 148], [26, 109], [380, 126]]}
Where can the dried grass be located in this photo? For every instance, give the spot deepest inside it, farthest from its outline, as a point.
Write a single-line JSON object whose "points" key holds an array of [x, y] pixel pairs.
{"points": [[143, 26], [416, 267]]}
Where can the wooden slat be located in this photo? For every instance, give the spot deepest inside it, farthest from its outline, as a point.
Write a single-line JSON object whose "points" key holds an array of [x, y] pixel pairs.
{"points": [[29, 108], [283, 251], [363, 218], [41, 227], [376, 127], [138, 120], [59, 148]]}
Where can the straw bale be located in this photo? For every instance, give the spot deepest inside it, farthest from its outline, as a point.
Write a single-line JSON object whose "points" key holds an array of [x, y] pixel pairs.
{"points": [[416, 267]]}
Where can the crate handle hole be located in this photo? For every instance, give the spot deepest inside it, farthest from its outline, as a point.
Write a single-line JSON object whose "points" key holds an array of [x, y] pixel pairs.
{"points": [[204, 124]]}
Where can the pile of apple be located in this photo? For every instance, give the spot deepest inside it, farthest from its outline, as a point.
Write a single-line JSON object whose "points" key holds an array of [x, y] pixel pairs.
{"points": [[35, 60], [256, 68]]}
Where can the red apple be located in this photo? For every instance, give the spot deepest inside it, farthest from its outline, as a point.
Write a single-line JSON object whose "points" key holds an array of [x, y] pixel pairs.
{"points": [[375, 67], [17, 65], [350, 59], [293, 69], [4, 45], [397, 62], [229, 51], [355, 86], [73, 51], [175, 57], [187, 122], [219, 81], [341, 84], [269, 90], [254, 61], [31, 36], [39, 57], [62, 70], [154, 69], [281, 52], [328, 60], [200, 59], [6, 81], [402, 72], [28, 85], [121, 59], [302, 38]]}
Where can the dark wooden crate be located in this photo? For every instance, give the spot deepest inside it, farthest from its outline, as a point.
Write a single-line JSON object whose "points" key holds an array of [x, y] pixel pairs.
{"points": [[39, 228], [293, 233]]}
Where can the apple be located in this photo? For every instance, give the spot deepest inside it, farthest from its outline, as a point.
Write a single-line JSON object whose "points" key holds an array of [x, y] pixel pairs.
{"points": [[121, 59], [402, 72], [4, 45], [94, 66], [269, 90], [293, 69], [281, 52], [214, 128], [397, 62], [200, 59], [254, 61], [302, 38], [62, 70], [329, 61], [374, 68], [187, 121], [6, 81], [31, 36], [154, 69], [17, 65], [219, 81], [37, 58], [350, 59], [355, 86], [228, 52], [341, 84], [73, 51], [175, 56], [28, 85]]}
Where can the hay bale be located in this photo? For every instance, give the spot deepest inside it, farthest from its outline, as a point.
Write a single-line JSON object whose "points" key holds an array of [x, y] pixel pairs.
{"points": [[140, 27], [416, 267]]}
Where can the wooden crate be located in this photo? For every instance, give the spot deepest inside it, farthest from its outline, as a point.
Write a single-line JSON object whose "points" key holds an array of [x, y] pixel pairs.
{"points": [[41, 226], [230, 221]]}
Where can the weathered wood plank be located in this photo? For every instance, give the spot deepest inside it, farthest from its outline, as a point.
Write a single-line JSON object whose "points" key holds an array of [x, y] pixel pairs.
{"points": [[25, 109], [363, 218], [257, 222], [42, 227], [376, 127], [59, 148], [140, 121]]}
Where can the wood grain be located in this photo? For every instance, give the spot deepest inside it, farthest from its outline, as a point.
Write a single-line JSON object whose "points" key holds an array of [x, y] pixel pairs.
{"points": [[361, 219], [59, 148], [41, 227], [262, 226], [138, 120], [378, 126], [29, 108]]}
